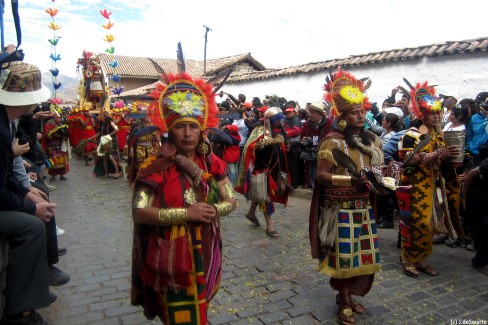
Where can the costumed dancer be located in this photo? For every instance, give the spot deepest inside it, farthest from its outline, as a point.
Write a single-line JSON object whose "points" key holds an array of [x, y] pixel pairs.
{"points": [[265, 152], [56, 146], [179, 196], [108, 149], [86, 123], [342, 228], [124, 129], [422, 199], [143, 142]]}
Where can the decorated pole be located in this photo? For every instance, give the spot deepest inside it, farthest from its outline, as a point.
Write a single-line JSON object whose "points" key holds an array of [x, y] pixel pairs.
{"points": [[55, 57], [109, 38]]}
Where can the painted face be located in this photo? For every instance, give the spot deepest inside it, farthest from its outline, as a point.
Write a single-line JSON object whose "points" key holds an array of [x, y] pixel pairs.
{"points": [[355, 118], [185, 136]]}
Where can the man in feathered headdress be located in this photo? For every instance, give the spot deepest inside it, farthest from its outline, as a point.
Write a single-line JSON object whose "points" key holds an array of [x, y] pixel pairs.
{"points": [[423, 150], [343, 233], [179, 195]]}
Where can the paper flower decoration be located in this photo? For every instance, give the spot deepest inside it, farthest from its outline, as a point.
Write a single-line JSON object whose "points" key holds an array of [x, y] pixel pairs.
{"points": [[114, 64], [57, 85], [54, 41], [105, 13], [54, 72], [109, 38], [108, 25], [54, 26], [115, 78], [55, 57], [117, 90], [52, 12]]}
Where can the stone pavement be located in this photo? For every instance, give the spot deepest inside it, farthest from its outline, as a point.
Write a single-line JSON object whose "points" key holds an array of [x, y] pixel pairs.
{"points": [[264, 281]]}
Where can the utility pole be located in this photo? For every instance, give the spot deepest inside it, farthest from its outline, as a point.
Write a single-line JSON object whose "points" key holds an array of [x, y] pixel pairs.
{"points": [[207, 29]]}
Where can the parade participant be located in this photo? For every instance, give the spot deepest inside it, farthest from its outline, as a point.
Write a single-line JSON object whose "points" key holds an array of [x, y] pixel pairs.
{"points": [[179, 196], [422, 213], [86, 124], [342, 227], [124, 129], [265, 152], [143, 142], [56, 146], [108, 149]]}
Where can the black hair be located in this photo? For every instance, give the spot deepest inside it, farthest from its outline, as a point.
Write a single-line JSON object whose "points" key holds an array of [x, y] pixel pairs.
{"points": [[367, 137], [225, 105], [256, 102], [461, 112], [394, 121]]}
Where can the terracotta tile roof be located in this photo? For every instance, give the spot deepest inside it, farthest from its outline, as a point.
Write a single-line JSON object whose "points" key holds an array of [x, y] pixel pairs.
{"points": [[142, 67], [442, 49]]}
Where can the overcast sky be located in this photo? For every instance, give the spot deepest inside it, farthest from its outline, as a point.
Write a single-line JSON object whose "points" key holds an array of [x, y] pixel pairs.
{"points": [[276, 33]]}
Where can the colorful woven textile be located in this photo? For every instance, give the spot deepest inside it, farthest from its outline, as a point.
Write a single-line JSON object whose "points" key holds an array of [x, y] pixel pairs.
{"points": [[355, 251]]}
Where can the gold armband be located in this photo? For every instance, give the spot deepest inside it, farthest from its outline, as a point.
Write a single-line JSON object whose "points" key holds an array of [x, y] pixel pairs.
{"points": [[223, 208], [142, 198], [172, 216], [228, 191], [341, 181]]}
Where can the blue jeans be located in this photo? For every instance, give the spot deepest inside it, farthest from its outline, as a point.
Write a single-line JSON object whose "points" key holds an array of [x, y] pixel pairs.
{"points": [[232, 173]]}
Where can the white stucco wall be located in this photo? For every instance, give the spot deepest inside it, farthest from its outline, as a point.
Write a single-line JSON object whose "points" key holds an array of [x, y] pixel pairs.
{"points": [[463, 75]]}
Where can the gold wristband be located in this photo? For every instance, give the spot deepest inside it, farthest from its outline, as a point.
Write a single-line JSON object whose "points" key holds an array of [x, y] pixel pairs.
{"points": [[223, 208], [341, 181], [142, 198], [228, 191], [172, 216]]}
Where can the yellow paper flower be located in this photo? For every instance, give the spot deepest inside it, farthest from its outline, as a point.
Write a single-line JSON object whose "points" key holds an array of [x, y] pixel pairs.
{"points": [[352, 94], [109, 38], [54, 26], [51, 11]]}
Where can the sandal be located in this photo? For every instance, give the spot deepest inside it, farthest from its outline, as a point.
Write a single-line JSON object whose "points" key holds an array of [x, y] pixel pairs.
{"points": [[409, 269], [272, 234], [346, 315], [427, 269], [356, 306], [254, 220]]}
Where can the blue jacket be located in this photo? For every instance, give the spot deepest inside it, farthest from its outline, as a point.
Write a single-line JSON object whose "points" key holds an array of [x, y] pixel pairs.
{"points": [[476, 133]]}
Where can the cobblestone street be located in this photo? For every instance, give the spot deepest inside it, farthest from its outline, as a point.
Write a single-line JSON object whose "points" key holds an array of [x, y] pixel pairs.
{"points": [[264, 281]]}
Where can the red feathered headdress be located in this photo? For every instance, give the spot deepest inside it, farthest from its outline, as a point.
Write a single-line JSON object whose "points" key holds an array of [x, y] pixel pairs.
{"points": [[183, 99], [423, 100], [180, 97], [344, 92]]}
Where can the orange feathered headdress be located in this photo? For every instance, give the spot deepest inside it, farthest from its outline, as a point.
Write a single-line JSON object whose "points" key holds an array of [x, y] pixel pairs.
{"points": [[180, 97], [423, 100], [344, 92]]}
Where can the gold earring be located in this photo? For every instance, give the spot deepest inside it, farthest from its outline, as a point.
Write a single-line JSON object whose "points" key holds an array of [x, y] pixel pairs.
{"points": [[342, 125]]}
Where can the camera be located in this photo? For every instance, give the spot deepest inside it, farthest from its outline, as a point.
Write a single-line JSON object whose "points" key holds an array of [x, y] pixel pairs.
{"points": [[46, 107]]}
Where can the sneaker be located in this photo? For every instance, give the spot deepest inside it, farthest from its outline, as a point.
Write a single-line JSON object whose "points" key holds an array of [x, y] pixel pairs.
{"points": [[62, 251], [50, 188], [34, 318], [57, 277], [59, 232], [470, 247]]}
